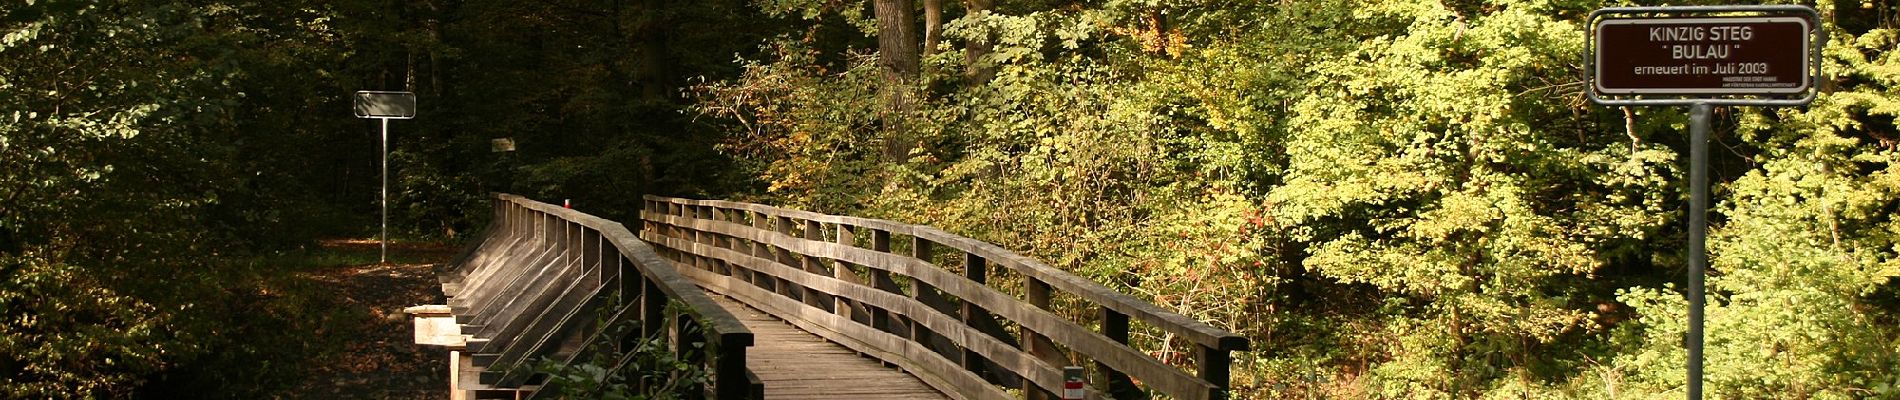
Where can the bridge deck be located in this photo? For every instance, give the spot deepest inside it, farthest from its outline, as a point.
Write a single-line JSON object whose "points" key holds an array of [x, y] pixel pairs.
{"points": [[795, 364]]}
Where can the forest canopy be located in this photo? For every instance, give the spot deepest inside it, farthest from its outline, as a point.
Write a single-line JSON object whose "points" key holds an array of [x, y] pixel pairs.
{"points": [[1391, 198]]}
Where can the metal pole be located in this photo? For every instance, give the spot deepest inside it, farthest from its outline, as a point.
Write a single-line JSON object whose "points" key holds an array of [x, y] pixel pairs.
{"points": [[385, 255], [1699, 116]]}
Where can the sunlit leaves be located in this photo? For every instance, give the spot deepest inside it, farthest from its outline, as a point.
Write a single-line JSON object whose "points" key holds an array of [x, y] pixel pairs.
{"points": [[1438, 156], [64, 335]]}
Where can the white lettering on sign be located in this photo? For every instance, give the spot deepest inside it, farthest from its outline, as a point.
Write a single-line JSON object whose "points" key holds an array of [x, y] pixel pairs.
{"points": [[1701, 33], [1701, 51]]}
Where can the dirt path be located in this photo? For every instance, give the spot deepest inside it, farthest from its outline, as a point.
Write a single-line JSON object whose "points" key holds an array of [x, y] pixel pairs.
{"points": [[376, 357]]}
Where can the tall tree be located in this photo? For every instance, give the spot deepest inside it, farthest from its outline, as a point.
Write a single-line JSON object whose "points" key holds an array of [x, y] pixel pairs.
{"points": [[933, 25], [897, 39], [976, 73], [898, 59]]}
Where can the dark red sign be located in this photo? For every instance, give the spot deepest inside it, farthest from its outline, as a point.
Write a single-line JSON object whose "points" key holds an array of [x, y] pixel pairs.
{"points": [[1702, 56]]}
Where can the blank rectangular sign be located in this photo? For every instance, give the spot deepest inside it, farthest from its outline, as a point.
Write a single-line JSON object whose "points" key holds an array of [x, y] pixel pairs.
{"points": [[382, 104]]}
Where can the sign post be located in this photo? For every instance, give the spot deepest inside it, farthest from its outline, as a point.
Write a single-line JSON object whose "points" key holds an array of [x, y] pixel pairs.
{"points": [[385, 106], [1074, 384], [1702, 57]]}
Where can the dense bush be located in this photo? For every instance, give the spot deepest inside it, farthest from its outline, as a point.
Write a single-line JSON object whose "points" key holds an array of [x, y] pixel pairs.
{"points": [[1396, 199]]}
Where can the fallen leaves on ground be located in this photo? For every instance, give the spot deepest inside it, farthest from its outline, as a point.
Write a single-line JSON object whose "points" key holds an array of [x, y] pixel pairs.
{"points": [[376, 357]]}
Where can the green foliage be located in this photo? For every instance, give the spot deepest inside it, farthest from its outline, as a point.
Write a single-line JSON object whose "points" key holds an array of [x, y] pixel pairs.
{"points": [[1440, 164], [650, 372], [64, 334], [1809, 242], [640, 368], [1396, 199]]}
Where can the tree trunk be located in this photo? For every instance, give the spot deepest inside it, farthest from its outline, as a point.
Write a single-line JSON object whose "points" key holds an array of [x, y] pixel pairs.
{"points": [[898, 58], [933, 26], [974, 51], [897, 40]]}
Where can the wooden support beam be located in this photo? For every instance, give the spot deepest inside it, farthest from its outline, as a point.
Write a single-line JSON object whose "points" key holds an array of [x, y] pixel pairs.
{"points": [[816, 232], [882, 319], [977, 271], [1116, 383], [925, 293], [1037, 345], [847, 236]]}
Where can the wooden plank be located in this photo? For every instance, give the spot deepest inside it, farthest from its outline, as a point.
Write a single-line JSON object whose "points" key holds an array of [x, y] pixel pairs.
{"points": [[528, 299], [909, 355], [478, 304], [785, 362], [509, 272], [576, 310], [438, 331], [488, 237], [577, 305], [487, 266]]}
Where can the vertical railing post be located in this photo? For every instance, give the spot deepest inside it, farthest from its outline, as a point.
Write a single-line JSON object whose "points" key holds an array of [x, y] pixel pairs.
{"points": [[628, 279], [976, 269], [729, 371], [691, 351], [1213, 367], [921, 249], [760, 249], [842, 272], [519, 217], [815, 231], [652, 309], [571, 244], [783, 225], [881, 318], [590, 256], [727, 242], [702, 238], [503, 221], [709, 215], [847, 236], [1038, 294], [652, 322], [1116, 383], [677, 211], [544, 228]]}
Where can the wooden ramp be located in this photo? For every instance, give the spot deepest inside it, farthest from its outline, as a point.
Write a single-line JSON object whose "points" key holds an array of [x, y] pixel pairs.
{"points": [[795, 364]]}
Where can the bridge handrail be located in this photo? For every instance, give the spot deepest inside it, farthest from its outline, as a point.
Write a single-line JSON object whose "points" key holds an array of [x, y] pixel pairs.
{"points": [[696, 226], [550, 267]]}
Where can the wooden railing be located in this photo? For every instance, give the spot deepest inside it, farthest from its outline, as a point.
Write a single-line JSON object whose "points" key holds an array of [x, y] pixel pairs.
{"points": [[539, 281], [971, 326]]}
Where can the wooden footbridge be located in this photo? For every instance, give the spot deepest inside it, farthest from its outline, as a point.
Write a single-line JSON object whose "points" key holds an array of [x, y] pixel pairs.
{"points": [[765, 302]]}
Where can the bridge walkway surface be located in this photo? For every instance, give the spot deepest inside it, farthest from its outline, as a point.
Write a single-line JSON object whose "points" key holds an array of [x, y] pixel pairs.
{"points": [[796, 364]]}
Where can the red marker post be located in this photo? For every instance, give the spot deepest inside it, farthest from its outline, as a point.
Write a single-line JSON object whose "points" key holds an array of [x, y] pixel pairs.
{"points": [[1074, 386]]}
